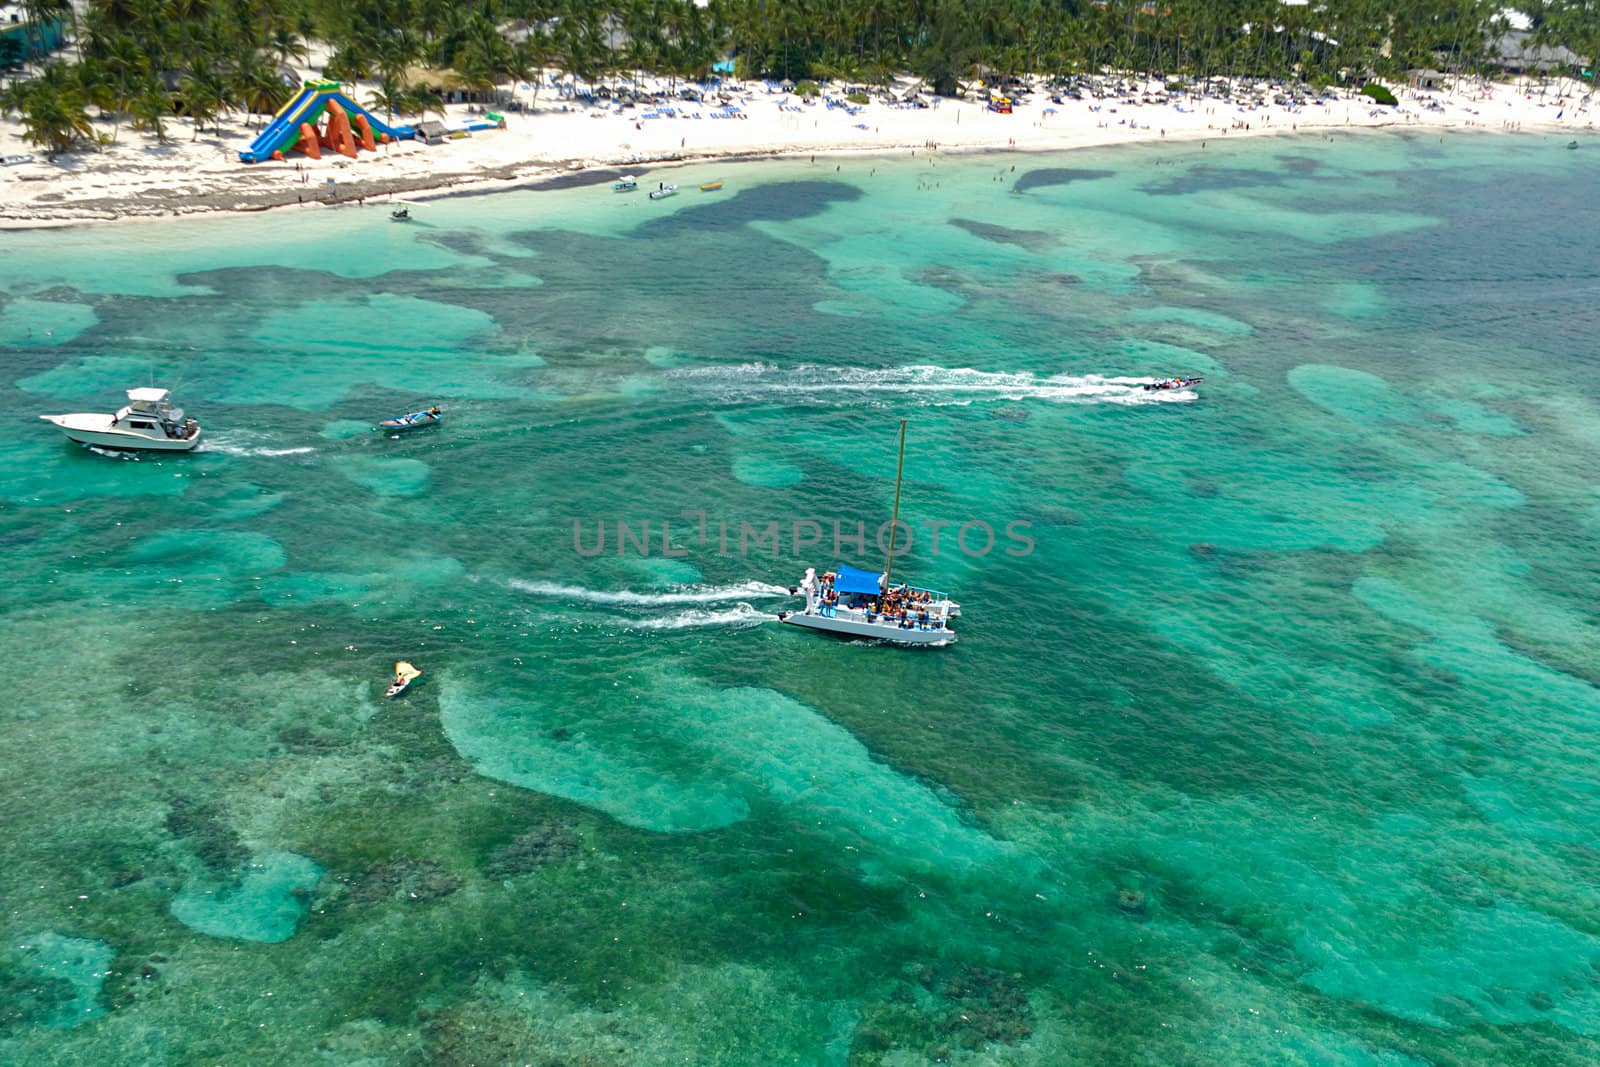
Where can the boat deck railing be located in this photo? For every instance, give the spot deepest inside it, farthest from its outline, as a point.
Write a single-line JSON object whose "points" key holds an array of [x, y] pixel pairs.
{"points": [[849, 614]]}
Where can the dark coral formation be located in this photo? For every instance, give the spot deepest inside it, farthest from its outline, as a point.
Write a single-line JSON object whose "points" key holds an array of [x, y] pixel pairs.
{"points": [[202, 825], [130, 978], [961, 1007], [529, 851], [405, 879], [28, 998]]}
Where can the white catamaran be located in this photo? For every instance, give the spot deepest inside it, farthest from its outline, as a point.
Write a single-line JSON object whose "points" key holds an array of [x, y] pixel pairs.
{"points": [[857, 603]]}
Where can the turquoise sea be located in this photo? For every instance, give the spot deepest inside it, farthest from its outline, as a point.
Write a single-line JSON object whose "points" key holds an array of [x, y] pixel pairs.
{"points": [[1277, 747]]}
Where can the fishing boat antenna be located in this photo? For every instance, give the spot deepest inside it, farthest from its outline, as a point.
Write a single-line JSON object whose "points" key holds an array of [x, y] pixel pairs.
{"points": [[894, 521]]}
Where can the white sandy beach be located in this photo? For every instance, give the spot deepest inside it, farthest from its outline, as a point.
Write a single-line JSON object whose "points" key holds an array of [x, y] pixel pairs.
{"points": [[138, 178]]}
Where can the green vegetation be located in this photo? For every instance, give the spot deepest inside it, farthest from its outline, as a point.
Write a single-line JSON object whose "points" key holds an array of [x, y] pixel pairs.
{"points": [[209, 57], [1379, 93]]}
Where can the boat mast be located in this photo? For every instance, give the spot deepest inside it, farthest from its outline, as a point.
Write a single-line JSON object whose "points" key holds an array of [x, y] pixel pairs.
{"points": [[894, 521]]}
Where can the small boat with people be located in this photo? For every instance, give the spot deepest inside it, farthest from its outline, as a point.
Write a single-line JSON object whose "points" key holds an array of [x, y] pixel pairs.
{"points": [[400, 214], [1162, 385], [147, 423], [851, 602], [404, 675], [416, 420], [625, 184], [661, 192], [857, 603], [1572, 146]]}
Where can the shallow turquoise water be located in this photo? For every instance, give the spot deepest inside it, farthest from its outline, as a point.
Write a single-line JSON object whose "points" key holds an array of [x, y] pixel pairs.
{"points": [[1276, 748]]}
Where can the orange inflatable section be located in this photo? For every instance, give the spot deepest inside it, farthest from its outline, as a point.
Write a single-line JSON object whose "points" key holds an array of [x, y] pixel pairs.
{"points": [[340, 132], [309, 143], [364, 134], [337, 135]]}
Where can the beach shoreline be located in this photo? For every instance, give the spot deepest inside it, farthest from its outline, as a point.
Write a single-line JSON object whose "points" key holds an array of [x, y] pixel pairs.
{"points": [[140, 180]]}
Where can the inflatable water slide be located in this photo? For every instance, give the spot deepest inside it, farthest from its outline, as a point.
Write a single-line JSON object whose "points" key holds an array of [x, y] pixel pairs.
{"points": [[347, 127]]}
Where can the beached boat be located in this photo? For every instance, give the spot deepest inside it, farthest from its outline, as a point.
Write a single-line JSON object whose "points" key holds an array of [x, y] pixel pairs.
{"points": [[414, 421], [710, 187], [856, 603], [149, 423], [17, 161], [661, 192], [404, 675], [625, 184], [1168, 384]]}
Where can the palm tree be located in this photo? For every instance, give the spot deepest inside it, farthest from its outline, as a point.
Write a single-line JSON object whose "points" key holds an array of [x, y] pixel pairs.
{"points": [[52, 105], [152, 106], [255, 85], [204, 97], [389, 97], [286, 44]]}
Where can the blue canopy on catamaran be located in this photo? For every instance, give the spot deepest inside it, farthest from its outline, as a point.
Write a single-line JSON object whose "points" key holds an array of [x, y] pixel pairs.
{"points": [[850, 580]]}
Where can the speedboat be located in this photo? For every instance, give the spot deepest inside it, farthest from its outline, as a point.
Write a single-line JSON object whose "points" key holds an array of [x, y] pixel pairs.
{"points": [[404, 675], [857, 603], [1165, 384], [663, 191], [414, 421], [625, 184], [149, 423]]}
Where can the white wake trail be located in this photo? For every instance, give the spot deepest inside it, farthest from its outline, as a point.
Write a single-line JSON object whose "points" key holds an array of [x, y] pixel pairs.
{"points": [[739, 615], [930, 385], [244, 443], [691, 594]]}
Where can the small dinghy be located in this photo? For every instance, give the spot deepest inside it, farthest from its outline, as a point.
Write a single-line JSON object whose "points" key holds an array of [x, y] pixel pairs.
{"points": [[661, 192], [400, 214], [1167, 384], [625, 184], [414, 421], [404, 675]]}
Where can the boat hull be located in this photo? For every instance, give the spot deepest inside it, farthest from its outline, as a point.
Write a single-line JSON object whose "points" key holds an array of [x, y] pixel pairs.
{"points": [[877, 631], [402, 426], [119, 441]]}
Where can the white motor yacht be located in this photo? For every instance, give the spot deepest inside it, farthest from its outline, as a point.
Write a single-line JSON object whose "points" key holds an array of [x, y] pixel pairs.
{"points": [[149, 423]]}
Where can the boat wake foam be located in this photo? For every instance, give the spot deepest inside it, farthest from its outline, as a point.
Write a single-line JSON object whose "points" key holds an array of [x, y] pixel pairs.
{"points": [[928, 385], [740, 614], [240, 444], [689, 594], [113, 453]]}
